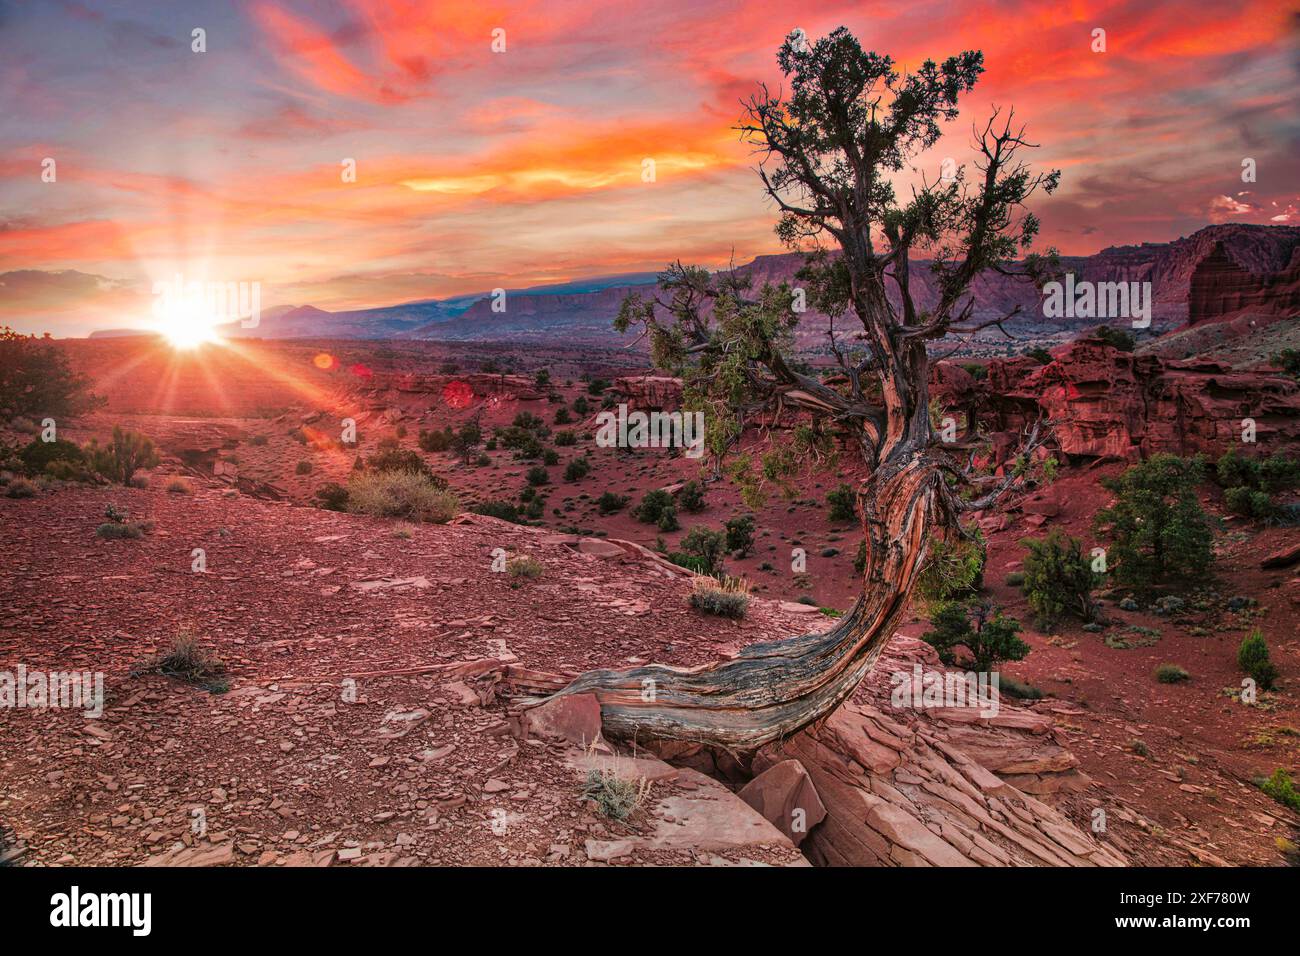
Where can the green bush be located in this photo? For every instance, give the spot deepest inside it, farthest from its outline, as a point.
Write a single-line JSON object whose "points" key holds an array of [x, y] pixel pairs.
{"points": [[1116, 338], [1058, 578], [1281, 789], [537, 476], [434, 441], [657, 508], [498, 509], [303, 468], [566, 438], [691, 497], [1171, 674], [692, 562], [608, 503], [1253, 658], [577, 469], [523, 568], [39, 455], [126, 453], [1250, 483], [332, 497], [989, 638], [740, 534], [843, 504], [37, 380], [393, 460], [1158, 527], [562, 416], [706, 544], [400, 494]]}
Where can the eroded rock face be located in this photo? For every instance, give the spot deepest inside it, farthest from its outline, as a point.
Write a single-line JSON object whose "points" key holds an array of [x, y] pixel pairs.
{"points": [[1106, 403], [936, 788], [784, 794], [1220, 286], [649, 393]]}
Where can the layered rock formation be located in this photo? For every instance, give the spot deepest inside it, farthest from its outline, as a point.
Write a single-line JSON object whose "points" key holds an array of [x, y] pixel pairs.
{"points": [[1106, 403], [1219, 286]]}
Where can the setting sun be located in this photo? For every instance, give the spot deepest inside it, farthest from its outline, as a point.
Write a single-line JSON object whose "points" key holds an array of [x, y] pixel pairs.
{"points": [[187, 325]]}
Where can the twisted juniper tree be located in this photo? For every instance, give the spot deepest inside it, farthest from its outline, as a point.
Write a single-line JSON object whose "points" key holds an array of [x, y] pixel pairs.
{"points": [[827, 157]]}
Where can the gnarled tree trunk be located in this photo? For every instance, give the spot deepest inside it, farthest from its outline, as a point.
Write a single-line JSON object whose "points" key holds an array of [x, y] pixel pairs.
{"points": [[772, 690]]}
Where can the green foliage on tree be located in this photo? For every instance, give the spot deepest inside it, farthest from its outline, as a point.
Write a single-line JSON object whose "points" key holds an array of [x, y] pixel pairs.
{"points": [[60, 457], [691, 497], [37, 380], [609, 502], [1250, 483], [657, 508], [1058, 578], [740, 534], [954, 569], [986, 636], [707, 544], [1253, 659], [125, 454], [843, 504], [1159, 530]]}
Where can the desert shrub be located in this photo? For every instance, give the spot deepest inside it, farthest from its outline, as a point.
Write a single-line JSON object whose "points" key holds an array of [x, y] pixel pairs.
{"points": [[953, 569], [1253, 659], [537, 476], [434, 441], [706, 544], [38, 455], [120, 529], [37, 380], [523, 568], [597, 386], [482, 460], [1011, 687], [1158, 527], [1281, 789], [497, 509], [691, 562], [530, 422], [616, 797], [843, 504], [188, 661], [1250, 483], [577, 469], [657, 508], [139, 480], [562, 416], [608, 503], [400, 494], [1116, 338], [988, 637], [1039, 355], [126, 453], [725, 598], [332, 496], [566, 438], [691, 497], [740, 534], [1171, 674], [179, 486], [1058, 578], [1249, 503], [257, 440], [581, 405], [21, 488], [550, 457], [403, 460], [302, 468]]}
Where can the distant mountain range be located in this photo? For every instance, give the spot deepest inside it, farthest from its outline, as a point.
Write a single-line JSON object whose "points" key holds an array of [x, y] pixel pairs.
{"points": [[581, 312]]}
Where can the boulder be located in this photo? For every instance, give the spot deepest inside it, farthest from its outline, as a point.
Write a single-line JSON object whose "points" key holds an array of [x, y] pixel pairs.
{"points": [[572, 717], [785, 795]]}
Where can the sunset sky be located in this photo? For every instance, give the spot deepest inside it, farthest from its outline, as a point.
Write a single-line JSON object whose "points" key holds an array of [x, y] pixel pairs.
{"points": [[478, 169]]}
